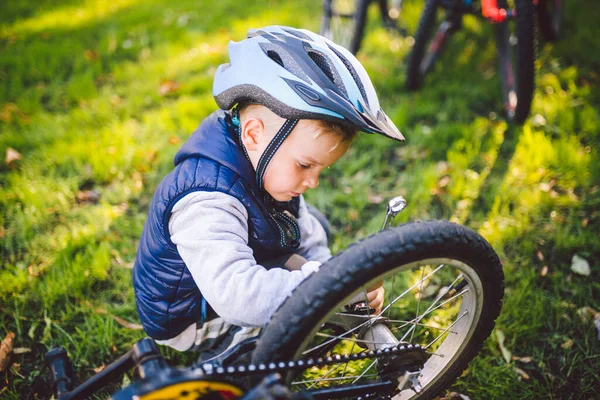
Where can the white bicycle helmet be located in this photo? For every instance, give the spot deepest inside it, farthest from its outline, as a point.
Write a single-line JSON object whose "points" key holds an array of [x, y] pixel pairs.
{"points": [[301, 75]]}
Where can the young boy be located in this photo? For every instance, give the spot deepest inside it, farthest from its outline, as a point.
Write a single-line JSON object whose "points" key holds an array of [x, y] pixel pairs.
{"points": [[229, 236]]}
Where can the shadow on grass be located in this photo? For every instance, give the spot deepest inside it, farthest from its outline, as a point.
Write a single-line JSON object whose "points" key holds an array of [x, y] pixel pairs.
{"points": [[492, 185]]}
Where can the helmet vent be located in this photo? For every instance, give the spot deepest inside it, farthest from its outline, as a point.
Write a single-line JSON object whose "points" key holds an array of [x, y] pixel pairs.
{"points": [[322, 63], [298, 34], [353, 72], [275, 57]]}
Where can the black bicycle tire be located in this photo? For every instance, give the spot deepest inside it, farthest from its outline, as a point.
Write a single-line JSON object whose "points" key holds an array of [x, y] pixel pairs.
{"points": [[371, 258], [414, 77], [359, 20], [523, 74], [550, 22]]}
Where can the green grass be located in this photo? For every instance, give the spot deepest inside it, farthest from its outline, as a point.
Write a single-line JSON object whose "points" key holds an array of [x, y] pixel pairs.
{"points": [[80, 101]]}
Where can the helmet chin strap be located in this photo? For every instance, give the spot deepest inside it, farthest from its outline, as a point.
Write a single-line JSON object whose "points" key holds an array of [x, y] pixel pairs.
{"points": [[272, 147]]}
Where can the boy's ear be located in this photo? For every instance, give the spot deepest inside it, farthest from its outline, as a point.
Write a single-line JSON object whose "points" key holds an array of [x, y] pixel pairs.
{"points": [[253, 130]]}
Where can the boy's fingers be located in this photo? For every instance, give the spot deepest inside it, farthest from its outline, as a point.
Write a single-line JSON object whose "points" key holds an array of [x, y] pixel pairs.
{"points": [[375, 286], [376, 298]]}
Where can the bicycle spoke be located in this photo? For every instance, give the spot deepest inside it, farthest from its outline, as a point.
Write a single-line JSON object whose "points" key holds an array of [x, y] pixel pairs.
{"points": [[342, 378], [418, 304], [354, 340], [365, 371], [450, 327], [326, 375], [395, 328], [409, 289], [432, 309]]}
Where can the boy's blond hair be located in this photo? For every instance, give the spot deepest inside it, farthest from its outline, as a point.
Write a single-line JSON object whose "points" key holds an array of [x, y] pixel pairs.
{"points": [[273, 122]]}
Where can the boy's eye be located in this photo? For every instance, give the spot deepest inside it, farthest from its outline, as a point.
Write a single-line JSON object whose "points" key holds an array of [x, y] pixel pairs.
{"points": [[303, 166]]}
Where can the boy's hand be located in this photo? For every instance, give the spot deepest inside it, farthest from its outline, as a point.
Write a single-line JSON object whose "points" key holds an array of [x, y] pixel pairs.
{"points": [[375, 295]]}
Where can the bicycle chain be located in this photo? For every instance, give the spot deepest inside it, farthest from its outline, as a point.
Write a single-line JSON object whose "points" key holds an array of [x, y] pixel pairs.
{"points": [[283, 367]]}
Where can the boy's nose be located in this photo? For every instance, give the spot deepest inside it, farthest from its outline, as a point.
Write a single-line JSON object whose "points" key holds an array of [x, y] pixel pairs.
{"points": [[311, 183]]}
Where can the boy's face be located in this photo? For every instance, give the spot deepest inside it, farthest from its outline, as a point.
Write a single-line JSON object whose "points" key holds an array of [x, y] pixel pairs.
{"points": [[297, 164]]}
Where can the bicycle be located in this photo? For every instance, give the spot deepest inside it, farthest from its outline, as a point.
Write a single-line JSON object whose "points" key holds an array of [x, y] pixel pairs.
{"points": [[515, 44], [444, 287], [344, 20], [550, 19]]}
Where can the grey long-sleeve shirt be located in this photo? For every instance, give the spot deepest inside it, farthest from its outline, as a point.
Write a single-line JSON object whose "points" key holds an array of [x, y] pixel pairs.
{"points": [[210, 230]]}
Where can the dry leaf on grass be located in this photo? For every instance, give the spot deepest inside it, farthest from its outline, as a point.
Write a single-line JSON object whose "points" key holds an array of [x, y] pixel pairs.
{"points": [[505, 352], [375, 198], [21, 350], [544, 271], [522, 373], [88, 196], [90, 55], [568, 344], [11, 155], [99, 368], [6, 347], [167, 87], [455, 396], [586, 312], [525, 360], [121, 321], [580, 266]]}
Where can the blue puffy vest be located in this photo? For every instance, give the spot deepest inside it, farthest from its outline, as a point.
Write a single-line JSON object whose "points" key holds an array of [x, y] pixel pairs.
{"points": [[167, 298]]}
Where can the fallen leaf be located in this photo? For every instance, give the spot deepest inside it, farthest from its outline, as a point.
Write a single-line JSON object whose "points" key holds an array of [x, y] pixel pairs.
{"points": [[540, 256], [525, 360], [568, 344], [375, 198], [99, 368], [444, 181], [585, 222], [353, 214], [90, 55], [7, 111], [455, 396], [115, 100], [6, 348], [522, 373], [580, 266], [167, 87], [11, 155], [585, 312], [174, 140], [505, 352], [121, 321], [544, 271], [88, 196], [21, 350]]}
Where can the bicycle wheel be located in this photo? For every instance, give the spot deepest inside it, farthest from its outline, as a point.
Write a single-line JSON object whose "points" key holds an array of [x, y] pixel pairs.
{"points": [[427, 47], [444, 288], [550, 18], [515, 43], [344, 22]]}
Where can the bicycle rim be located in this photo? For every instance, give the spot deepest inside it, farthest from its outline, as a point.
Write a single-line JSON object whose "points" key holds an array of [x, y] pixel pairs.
{"points": [[344, 21], [515, 42], [430, 40], [419, 310]]}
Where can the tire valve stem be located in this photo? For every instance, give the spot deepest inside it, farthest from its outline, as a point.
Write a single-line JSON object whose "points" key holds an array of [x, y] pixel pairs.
{"points": [[416, 385], [395, 206]]}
